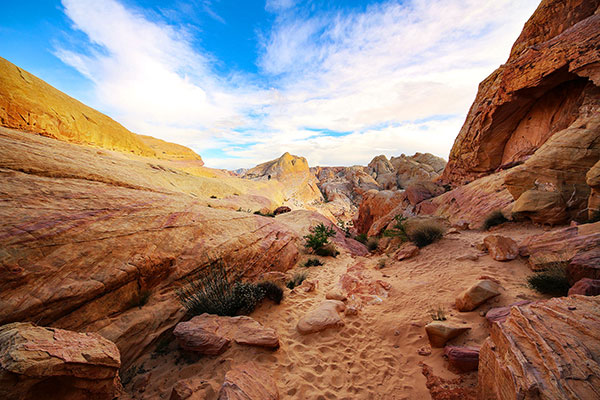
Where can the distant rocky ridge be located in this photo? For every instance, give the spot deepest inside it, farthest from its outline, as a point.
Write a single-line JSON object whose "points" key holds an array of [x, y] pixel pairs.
{"points": [[30, 104]]}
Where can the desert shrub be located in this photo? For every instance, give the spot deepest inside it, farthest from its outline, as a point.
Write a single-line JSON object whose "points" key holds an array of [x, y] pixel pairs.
{"points": [[361, 237], [372, 244], [426, 233], [214, 292], [494, 218], [318, 237], [270, 214], [140, 299], [313, 262], [552, 280], [272, 291], [296, 280], [328, 250], [398, 229]]}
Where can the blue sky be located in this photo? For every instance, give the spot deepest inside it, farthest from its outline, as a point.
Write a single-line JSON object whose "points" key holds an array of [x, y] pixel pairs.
{"points": [[241, 82]]}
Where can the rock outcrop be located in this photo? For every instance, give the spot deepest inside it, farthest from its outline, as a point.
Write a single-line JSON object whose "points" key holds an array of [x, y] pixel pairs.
{"points": [[248, 382], [37, 361], [501, 248], [538, 116], [30, 104], [440, 332], [462, 359], [544, 350], [586, 287], [477, 294], [325, 316]]}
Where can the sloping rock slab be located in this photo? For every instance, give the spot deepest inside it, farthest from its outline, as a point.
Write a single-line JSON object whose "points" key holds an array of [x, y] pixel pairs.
{"points": [[477, 294], [544, 350], [323, 317], [248, 382], [440, 332], [36, 361], [203, 331]]}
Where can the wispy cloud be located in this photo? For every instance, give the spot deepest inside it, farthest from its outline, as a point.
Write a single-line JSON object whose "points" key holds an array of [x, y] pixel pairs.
{"points": [[371, 72]]}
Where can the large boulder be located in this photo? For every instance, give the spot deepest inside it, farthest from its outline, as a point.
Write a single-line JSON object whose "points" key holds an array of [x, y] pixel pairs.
{"points": [[324, 316], [541, 207], [248, 382], [544, 350], [377, 210], [586, 287], [211, 334], [40, 363], [462, 359], [501, 248]]}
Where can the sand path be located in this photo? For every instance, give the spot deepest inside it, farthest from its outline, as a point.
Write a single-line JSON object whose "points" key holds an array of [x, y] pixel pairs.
{"points": [[374, 356]]}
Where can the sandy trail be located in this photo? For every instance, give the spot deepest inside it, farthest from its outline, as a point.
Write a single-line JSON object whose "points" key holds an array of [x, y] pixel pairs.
{"points": [[374, 356]]}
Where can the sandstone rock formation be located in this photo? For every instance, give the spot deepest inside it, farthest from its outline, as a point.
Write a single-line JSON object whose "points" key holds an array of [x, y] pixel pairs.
{"points": [[477, 294], [440, 332], [211, 334], [37, 361], [501, 248], [538, 115], [30, 104], [322, 317], [544, 350], [192, 389], [593, 180], [248, 382], [499, 314], [586, 287], [576, 247]]}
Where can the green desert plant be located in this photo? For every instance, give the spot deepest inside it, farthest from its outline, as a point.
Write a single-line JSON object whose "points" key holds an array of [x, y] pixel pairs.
{"points": [[398, 229], [425, 233], [372, 244], [296, 280], [361, 237], [552, 280], [214, 292], [313, 262], [318, 237], [494, 218]]}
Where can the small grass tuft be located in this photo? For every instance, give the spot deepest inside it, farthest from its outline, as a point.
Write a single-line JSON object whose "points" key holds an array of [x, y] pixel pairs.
{"points": [[312, 262], [494, 218], [425, 233], [328, 250], [296, 280], [372, 244], [361, 237], [437, 314]]}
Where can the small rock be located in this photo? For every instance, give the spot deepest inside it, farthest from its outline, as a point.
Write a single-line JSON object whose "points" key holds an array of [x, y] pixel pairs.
{"points": [[586, 287], [192, 389], [336, 294], [424, 351], [308, 286], [406, 251], [468, 256], [501, 248], [461, 224], [351, 310], [462, 359], [282, 210], [440, 332], [453, 231], [248, 382], [323, 317], [477, 294]]}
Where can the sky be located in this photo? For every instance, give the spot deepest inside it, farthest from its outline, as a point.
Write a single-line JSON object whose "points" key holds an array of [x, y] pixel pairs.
{"points": [[243, 81]]}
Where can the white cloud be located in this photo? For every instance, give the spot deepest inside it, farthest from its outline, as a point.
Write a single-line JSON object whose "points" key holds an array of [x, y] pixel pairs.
{"points": [[369, 73]]}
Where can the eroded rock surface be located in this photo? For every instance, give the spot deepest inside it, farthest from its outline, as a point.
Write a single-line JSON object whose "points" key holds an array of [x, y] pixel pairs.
{"points": [[440, 332], [248, 382], [477, 294], [326, 315], [501, 248], [36, 362], [547, 349]]}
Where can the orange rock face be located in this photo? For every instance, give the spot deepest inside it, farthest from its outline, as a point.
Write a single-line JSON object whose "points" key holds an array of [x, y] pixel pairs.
{"points": [[544, 350], [548, 83], [36, 362]]}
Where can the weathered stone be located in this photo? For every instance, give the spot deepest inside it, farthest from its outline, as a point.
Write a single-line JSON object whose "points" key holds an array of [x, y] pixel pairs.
{"points": [[210, 334], [37, 362], [406, 251], [418, 191], [541, 207], [192, 389], [501, 248], [477, 294], [462, 359], [440, 332], [323, 317], [499, 314], [282, 210], [544, 350], [586, 287], [248, 382], [336, 294]]}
